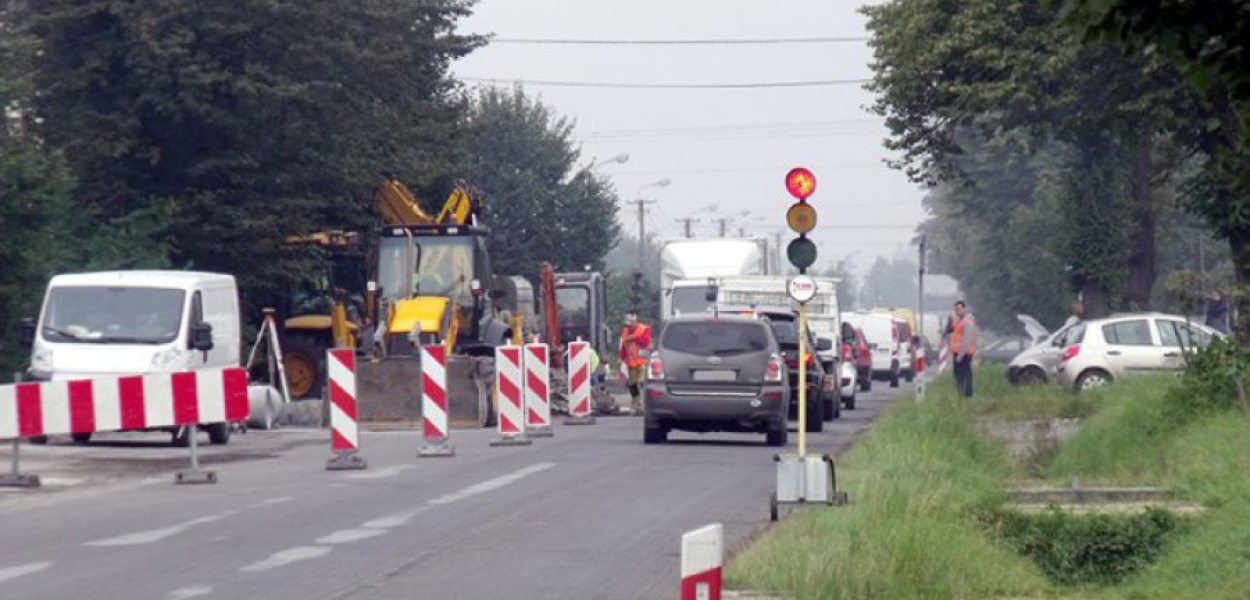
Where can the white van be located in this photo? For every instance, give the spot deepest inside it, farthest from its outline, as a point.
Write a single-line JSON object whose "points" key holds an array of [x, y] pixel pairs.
{"points": [[882, 337], [135, 323]]}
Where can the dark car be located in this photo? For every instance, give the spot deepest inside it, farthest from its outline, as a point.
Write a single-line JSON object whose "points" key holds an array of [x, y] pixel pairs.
{"points": [[1003, 350], [721, 373], [823, 397]]}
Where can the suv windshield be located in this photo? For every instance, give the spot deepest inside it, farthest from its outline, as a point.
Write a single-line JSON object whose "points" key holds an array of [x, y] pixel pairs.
{"points": [[100, 315], [715, 338]]}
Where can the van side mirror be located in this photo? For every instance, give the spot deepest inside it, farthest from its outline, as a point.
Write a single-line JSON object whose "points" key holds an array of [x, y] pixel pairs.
{"points": [[824, 344], [28, 333], [202, 337]]}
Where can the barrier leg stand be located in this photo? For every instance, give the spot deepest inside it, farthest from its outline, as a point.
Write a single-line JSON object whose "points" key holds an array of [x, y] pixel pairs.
{"points": [[508, 385], [344, 433], [14, 478], [434, 419], [195, 474]]}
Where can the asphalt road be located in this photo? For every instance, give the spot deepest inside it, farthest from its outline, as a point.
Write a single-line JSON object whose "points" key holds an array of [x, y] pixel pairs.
{"points": [[590, 513]]}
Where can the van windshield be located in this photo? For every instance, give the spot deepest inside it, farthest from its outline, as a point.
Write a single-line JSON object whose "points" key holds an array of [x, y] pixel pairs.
{"points": [[691, 300], [101, 315]]}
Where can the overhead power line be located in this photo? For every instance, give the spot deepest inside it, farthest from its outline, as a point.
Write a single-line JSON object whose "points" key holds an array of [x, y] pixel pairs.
{"points": [[695, 42], [670, 86]]}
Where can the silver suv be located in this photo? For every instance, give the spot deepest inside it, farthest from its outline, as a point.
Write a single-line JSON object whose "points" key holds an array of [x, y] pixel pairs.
{"points": [[1100, 351], [720, 373]]}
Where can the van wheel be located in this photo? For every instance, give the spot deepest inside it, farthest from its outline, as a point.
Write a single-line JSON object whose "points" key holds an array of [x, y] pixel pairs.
{"points": [[849, 403], [865, 383], [219, 433], [815, 415], [303, 358], [181, 437], [654, 435], [81, 438], [911, 376], [829, 409], [894, 378], [778, 437]]}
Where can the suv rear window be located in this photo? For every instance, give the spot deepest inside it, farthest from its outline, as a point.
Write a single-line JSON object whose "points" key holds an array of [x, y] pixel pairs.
{"points": [[715, 338], [786, 332]]}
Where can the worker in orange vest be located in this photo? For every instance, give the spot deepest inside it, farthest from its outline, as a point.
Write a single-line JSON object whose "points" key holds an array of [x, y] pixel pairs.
{"points": [[635, 352], [963, 346]]}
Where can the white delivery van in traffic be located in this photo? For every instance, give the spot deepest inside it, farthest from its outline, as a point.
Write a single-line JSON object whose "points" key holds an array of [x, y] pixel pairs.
{"points": [[882, 336], [135, 323], [687, 265]]}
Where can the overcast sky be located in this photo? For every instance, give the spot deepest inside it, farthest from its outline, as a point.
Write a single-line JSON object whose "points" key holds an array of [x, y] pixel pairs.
{"points": [[728, 147]]}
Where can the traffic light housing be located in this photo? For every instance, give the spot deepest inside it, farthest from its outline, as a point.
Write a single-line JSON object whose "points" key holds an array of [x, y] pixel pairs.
{"points": [[801, 217]]}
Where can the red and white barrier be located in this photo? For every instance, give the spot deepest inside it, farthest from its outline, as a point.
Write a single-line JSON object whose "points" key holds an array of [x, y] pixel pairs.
{"points": [[537, 390], [435, 425], [702, 557], [509, 383], [341, 371], [579, 384], [119, 403]]}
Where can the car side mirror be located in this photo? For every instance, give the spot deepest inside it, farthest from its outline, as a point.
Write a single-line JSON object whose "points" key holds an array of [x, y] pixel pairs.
{"points": [[202, 337], [28, 333], [824, 344]]}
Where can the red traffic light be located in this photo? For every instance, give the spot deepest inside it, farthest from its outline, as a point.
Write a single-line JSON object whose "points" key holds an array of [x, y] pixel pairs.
{"points": [[800, 183]]}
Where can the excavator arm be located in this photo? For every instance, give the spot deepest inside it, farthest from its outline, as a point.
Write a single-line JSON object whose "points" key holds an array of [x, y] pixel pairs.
{"points": [[398, 206]]}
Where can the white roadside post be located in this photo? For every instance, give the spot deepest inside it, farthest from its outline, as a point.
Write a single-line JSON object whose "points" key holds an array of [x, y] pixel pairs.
{"points": [[920, 366], [702, 559]]}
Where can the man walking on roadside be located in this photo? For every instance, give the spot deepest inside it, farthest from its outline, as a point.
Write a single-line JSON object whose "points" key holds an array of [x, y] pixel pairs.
{"points": [[963, 345], [635, 351]]}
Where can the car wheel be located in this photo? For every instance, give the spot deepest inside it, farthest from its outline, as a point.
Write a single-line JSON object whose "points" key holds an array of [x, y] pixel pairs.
{"points": [[219, 433], [828, 410], [815, 415], [849, 403], [865, 383], [911, 376], [654, 435], [81, 438], [778, 437], [1092, 379], [1031, 376], [894, 378]]}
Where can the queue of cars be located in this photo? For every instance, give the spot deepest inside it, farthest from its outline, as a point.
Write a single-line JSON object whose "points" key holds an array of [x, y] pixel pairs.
{"points": [[1094, 353], [738, 371]]}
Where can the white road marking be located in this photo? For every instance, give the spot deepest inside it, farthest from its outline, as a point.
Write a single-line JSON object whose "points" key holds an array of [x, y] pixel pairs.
{"points": [[490, 485], [380, 473], [286, 557], [11, 573], [193, 591], [272, 501], [347, 536], [396, 520], [156, 535]]}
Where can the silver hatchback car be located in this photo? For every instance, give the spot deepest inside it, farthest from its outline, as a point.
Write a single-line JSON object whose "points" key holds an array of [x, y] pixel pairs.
{"points": [[1100, 351]]}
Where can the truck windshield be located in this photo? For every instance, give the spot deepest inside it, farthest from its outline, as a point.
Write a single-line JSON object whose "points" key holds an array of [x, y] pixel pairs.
{"points": [[100, 315], [690, 300], [445, 269]]}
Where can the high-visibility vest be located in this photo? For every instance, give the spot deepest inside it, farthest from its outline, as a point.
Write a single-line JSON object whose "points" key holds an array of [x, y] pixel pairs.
{"points": [[638, 346], [964, 337]]}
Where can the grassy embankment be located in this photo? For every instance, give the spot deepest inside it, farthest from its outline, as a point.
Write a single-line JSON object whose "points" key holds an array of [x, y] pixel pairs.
{"points": [[918, 479]]}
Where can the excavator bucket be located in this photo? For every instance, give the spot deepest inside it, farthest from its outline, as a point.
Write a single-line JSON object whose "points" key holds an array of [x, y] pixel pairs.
{"points": [[389, 391]]}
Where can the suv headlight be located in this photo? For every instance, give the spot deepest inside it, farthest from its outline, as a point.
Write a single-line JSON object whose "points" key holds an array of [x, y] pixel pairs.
{"points": [[169, 359]]}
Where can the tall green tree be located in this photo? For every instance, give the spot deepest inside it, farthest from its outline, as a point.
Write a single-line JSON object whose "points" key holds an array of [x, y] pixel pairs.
{"points": [[522, 158], [253, 120], [1207, 42], [955, 75]]}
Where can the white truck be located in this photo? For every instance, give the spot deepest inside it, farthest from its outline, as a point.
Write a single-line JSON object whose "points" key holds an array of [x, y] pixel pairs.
{"points": [[134, 323], [686, 264]]}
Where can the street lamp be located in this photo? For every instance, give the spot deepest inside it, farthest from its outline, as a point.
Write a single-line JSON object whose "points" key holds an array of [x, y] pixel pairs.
{"points": [[621, 158], [642, 213]]}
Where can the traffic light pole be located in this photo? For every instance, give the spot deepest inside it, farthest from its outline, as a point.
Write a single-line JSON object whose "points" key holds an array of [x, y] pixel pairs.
{"points": [[802, 379]]}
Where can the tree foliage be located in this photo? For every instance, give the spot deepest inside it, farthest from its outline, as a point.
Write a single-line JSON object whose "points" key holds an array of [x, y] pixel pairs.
{"points": [[254, 120], [522, 159]]}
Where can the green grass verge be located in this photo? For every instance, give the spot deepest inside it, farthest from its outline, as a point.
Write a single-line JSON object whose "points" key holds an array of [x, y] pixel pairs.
{"points": [[920, 475]]}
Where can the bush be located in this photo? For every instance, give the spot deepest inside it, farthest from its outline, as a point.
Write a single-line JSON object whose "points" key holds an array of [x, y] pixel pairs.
{"points": [[1214, 381], [1100, 549]]}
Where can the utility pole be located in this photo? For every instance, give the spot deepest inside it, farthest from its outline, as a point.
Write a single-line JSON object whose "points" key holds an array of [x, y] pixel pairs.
{"points": [[686, 222], [724, 223], [642, 230], [920, 325], [742, 232]]}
